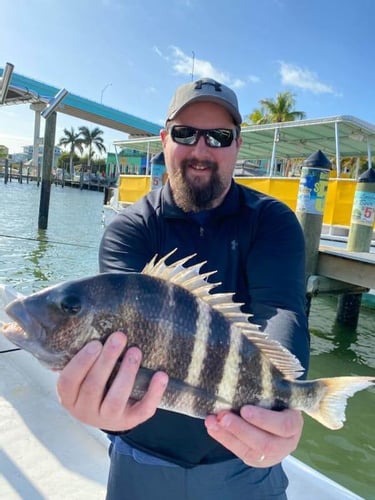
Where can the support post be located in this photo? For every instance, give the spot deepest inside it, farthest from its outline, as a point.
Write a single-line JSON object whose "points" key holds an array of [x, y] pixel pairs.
{"points": [[359, 240], [6, 171], [338, 158], [20, 170], [37, 107], [310, 207], [48, 152], [276, 138]]}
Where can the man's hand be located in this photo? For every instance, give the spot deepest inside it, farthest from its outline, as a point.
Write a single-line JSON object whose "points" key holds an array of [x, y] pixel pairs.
{"points": [[259, 437], [82, 386]]}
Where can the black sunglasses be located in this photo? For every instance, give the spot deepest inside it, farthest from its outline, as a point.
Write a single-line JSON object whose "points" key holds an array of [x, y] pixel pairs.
{"points": [[214, 137]]}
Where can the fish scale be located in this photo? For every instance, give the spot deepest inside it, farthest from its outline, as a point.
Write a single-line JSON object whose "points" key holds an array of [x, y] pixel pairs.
{"points": [[215, 358]]}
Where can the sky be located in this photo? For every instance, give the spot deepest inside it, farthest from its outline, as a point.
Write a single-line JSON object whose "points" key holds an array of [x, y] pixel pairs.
{"points": [[132, 54]]}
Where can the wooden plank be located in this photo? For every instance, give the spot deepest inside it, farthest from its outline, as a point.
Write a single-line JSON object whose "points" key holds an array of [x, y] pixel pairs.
{"points": [[321, 284], [357, 268]]}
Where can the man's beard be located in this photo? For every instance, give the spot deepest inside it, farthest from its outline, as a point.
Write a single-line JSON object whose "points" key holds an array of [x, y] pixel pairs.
{"points": [[192, 197]]}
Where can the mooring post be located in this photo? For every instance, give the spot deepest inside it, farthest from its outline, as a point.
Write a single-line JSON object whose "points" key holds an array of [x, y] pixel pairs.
{"points": [[359, 240], [20, 170], [48, 152], [6, 171], [310, 207]]}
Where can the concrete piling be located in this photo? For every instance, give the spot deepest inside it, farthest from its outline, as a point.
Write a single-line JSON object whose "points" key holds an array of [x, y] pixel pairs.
{"points": [[359, 240]]}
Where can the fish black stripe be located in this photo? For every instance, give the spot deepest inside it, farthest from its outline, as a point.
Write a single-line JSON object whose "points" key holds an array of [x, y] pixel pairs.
{"points": [[183, 321], [218, 345], [250, 384], [162, 319], [282, 391]]}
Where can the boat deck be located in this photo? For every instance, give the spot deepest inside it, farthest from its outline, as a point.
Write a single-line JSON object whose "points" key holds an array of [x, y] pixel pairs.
{"points": [[46, 454]]}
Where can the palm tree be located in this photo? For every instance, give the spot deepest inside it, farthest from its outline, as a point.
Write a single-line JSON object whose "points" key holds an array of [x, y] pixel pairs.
{"points": [[71, 141], [92, 138], [258, 116], [277, 110]]}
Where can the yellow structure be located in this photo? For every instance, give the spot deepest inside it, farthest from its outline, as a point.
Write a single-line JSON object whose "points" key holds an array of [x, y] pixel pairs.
{"points": [[339, 199]]}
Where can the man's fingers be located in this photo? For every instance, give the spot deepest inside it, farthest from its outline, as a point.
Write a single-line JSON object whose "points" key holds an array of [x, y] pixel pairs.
{"points": [[283, 424], [116, 398], [74, 373], [147, 406], [96, 387], [259, 437]]}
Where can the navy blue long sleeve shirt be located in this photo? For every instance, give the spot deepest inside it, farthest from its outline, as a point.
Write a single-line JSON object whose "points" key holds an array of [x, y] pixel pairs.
{"points": [[256, 245]]}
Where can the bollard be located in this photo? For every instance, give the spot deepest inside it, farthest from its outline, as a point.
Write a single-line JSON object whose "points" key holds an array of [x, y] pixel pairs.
{"points": [[6, 171], [310, 206], [157, 171], [359, 240]]}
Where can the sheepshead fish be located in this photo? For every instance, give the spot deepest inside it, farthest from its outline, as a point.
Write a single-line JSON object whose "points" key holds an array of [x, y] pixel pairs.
{"points": [[215, 358]]}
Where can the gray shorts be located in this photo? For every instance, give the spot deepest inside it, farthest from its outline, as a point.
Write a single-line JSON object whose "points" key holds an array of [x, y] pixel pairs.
{"points": [[134, 475]]}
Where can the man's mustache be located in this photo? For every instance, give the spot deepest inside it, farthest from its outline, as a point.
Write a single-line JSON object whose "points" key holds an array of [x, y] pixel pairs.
{"points": [[195, 162]]}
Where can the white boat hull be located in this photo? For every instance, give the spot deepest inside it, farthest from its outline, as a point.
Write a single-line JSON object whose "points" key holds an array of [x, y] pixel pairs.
{"points": [[48, 454]]}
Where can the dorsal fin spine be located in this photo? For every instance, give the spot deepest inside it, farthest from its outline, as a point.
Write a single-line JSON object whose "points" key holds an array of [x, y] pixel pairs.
{"points": [[190, 279]]}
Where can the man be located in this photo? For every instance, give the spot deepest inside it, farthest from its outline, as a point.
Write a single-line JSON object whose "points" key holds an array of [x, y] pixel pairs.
{"points": [[256, 245]]}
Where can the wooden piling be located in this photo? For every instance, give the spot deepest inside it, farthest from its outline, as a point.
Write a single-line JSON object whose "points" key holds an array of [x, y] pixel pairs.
{"points": [[48, 153], [20, 168], [6, 171], [359, 240], [310, 206]]}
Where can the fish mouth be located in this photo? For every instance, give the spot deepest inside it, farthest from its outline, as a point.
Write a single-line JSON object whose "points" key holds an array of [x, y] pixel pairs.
{"points": [[26, 329], [28, 334]]}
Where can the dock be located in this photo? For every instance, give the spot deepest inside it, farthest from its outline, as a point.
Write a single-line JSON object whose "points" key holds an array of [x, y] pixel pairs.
{"points": [[354, 268]]}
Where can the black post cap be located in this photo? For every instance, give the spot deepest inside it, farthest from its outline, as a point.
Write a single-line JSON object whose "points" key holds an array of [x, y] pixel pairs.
{"points": [[158, 159], [368, 176], [318, 160]]}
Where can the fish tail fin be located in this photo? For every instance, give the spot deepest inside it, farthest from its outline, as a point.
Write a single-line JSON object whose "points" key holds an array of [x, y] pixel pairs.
{"points": [[330, 409]]}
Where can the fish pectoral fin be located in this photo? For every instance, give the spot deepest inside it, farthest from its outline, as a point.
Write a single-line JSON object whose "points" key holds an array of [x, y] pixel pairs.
{"points": [[330, 409]]}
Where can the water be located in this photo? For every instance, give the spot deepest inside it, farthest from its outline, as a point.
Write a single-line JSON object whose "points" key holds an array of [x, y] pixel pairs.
{"points": [[31, 259]]}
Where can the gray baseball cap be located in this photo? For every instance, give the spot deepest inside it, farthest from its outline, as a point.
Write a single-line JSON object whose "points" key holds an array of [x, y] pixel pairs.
{"points": [[205, 89]]}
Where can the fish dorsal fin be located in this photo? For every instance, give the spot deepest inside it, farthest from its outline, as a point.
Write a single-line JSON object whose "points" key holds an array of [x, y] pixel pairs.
{"points": [[190, 278], [187, 277]]}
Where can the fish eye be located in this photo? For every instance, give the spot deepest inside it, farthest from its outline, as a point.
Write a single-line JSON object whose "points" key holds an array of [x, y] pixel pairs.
{"points": [[71, 305]]}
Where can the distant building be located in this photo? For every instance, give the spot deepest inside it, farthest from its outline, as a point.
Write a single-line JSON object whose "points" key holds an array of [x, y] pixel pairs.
{"points": [[17, 157], [29, 150], [130, 161], [4, 152]]}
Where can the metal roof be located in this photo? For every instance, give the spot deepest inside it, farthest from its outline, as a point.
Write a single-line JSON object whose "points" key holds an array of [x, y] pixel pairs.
{"points": [[296, 139], [25, 90]]}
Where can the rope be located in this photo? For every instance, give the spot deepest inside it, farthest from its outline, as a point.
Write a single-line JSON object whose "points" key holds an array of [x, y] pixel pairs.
{"points": [[44, 241]]}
